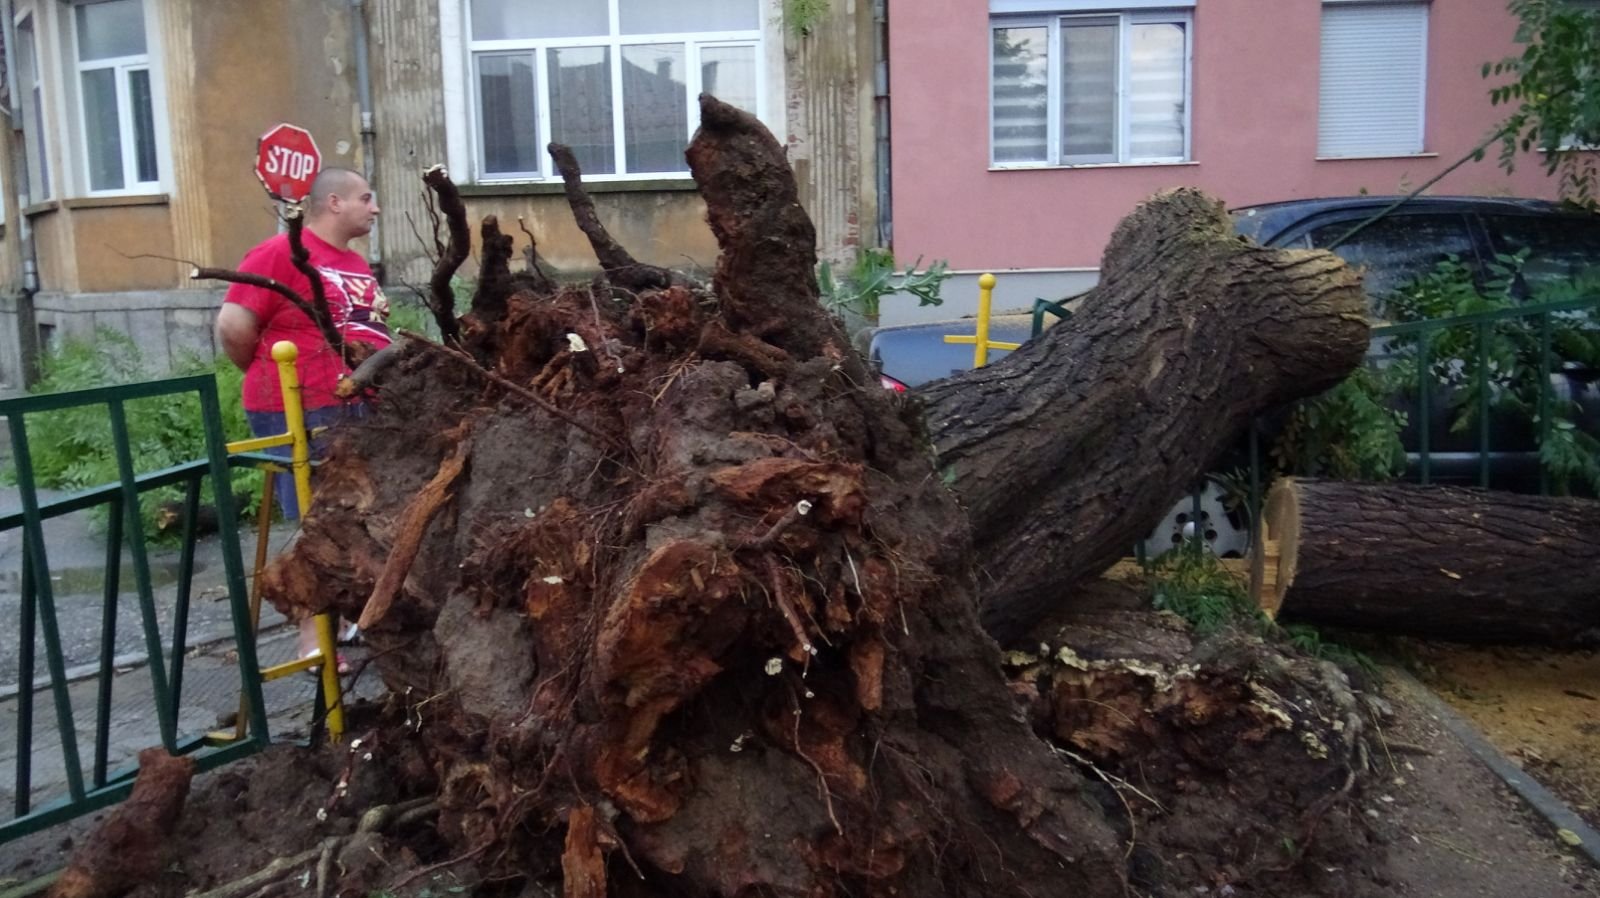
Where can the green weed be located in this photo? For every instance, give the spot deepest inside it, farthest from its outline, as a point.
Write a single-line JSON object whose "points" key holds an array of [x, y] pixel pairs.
{"points": [[72, 449]]}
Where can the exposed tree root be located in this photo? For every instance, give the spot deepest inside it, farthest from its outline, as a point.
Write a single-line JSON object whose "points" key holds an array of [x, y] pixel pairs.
{"points": [[130, 847], [705, 623]]}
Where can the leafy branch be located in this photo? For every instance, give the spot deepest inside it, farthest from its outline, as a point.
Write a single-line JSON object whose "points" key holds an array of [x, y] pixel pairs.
{"points": [[874, 277]]}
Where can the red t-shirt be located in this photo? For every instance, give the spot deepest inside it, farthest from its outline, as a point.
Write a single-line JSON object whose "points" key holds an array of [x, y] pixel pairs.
{"points": [[358, 308]]}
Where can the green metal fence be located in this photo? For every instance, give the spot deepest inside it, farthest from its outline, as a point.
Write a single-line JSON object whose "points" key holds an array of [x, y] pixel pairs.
{"points": [[103, 786], [1427, 333]]}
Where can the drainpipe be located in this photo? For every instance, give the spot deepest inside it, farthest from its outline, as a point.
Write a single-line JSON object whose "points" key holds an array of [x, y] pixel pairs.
{"points": [[369, 133], [880, 115], [27, 323]]}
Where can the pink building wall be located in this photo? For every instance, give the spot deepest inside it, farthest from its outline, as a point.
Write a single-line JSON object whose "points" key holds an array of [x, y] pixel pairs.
{"points": [[1254, 131]]}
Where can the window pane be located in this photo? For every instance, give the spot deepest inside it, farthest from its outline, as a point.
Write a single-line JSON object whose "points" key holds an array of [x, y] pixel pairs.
{"points": [[1156, 92], [1088, 92], [32, 112], [1021, 95], [510, 128], [655, 113], [674, 16], [110, 29], [729, 74], [102, 129], [580, 106], [496, 20], [1395, 251], [1561, 251], [38, 164], [144, 126]]}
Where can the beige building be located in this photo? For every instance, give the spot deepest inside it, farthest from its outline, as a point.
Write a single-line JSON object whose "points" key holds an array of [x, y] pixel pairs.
{"points": [[134, 125]]}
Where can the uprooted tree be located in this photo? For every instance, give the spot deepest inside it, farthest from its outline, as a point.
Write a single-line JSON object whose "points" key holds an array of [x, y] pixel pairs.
{"points": [[675, 600]]}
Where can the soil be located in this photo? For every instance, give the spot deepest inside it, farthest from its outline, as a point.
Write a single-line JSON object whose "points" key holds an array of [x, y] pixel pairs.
{"points": [[1541, 708], [1433, 823], [1455, 830]]}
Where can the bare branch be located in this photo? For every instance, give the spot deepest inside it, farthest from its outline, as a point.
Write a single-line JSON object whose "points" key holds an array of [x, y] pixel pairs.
{"points": [[417, 232], [198, 273], [617, 262], [541, 280], [511, 386], [441, 299], [319, 312]]}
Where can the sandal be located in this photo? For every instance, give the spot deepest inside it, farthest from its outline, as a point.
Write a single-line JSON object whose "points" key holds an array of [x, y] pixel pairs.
{"points": [[350, 636], [342, 665]]}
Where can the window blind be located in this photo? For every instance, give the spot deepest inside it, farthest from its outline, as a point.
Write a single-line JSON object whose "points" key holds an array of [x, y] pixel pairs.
{"points": [[1374, 60]]}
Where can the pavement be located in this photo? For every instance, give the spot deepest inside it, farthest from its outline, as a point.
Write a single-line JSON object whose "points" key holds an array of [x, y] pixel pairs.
{"points": [[210, 685]]}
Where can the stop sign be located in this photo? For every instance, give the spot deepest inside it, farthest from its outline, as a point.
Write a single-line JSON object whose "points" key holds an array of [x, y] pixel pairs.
{"points": [[287, 160]]}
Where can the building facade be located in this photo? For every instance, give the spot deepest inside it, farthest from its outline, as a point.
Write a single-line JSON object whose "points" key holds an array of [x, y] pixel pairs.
{"points": [[1024, 130], [135, 124]]}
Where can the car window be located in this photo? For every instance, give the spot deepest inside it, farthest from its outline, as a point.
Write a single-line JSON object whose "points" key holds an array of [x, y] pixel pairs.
{"points": [[1560, 250], [1396, 250]]}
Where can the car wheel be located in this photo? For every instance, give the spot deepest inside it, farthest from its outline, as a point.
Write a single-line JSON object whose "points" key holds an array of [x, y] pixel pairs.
{"points": [[1224, 531]]}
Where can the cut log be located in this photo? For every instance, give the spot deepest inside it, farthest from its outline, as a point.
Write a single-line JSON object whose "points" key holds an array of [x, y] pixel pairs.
{"points": [[1432, 561], [1068, 450]]}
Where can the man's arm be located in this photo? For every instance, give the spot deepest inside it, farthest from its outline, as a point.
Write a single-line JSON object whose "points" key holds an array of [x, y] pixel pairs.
{"points": [[238, 331]]}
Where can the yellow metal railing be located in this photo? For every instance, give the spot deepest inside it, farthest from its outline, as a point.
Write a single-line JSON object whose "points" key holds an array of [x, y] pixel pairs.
{"points": [[980, 342], [285, 353]]}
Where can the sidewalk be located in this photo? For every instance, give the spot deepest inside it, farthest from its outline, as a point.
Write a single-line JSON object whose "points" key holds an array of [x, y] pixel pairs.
{"points": [[210, 698], [210, 686]]}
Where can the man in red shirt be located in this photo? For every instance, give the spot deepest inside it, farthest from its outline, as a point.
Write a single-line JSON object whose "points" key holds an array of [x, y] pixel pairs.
{"points": [[341, 208]]}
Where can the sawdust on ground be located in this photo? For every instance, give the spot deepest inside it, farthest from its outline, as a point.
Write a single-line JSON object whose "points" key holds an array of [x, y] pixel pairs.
{"points": [[1538, 706]]}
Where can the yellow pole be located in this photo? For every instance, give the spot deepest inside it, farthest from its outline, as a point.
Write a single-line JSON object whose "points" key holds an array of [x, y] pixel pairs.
{"points": [[986, 284], [285, 353]]}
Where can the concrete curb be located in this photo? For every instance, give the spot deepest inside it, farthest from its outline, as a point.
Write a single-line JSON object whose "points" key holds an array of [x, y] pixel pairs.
{"points": [[136, 659], [1542, 800]]}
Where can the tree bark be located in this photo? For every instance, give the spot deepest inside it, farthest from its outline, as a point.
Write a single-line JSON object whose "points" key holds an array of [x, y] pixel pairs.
{"points": [[1067, 450], [1432, 561]]}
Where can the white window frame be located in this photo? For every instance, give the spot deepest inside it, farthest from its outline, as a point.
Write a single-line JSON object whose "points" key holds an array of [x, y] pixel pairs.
{"points": [[1126, 19], [35, 129], [614, 43], [122, 67]]}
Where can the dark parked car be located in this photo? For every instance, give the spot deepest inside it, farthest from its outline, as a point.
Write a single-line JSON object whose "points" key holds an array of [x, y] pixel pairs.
{"points": [[1560, 246]]}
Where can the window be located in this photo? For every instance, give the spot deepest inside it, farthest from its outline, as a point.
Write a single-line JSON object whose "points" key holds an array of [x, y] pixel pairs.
{"points": [[1090, 88], [1561, 251], [1374, 63], [616, 80], [114, 96], [32, 95], [1396, 250]]}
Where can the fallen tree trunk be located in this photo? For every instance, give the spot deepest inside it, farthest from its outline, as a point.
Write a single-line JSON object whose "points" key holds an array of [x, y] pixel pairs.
{"points": [[1432, 561], [1068, 450]]}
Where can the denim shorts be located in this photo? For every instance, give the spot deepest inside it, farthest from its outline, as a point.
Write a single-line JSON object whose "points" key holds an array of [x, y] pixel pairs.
{"points": [[269, 424]]}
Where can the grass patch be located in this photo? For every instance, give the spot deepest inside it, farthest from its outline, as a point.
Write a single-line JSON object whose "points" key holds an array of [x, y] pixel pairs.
{"points": [[72, 448], [1196, 587]]}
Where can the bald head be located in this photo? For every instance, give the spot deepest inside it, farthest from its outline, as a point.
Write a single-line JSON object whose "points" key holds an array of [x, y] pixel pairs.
{"points": [[341, 206], [331, 182]]}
